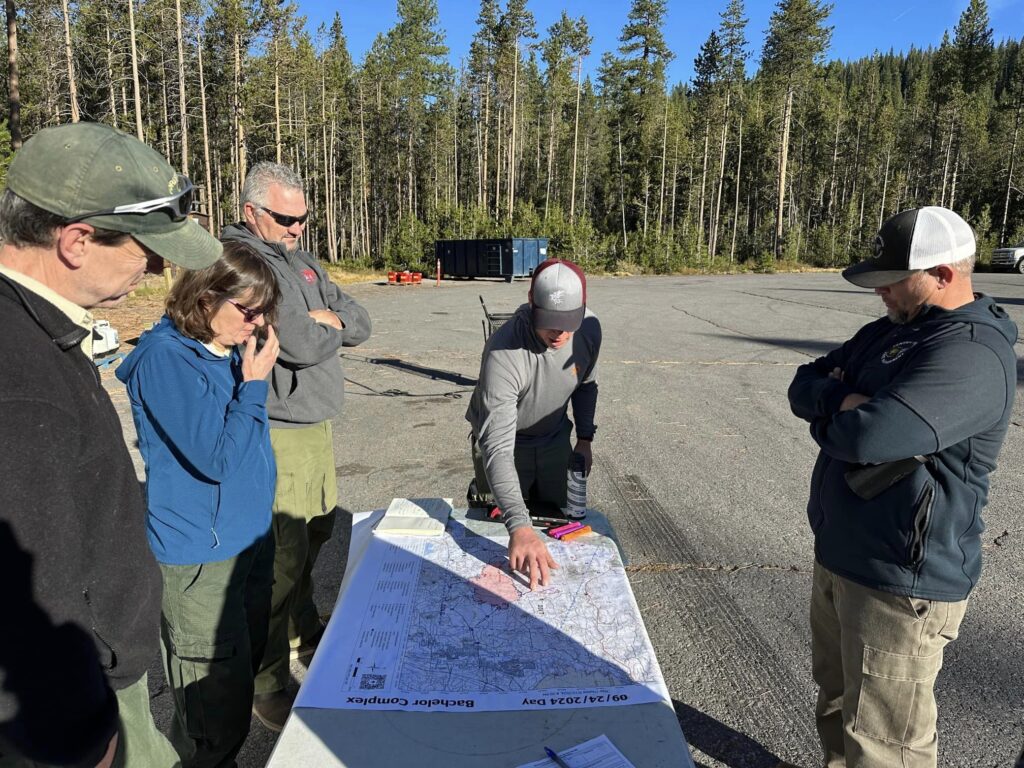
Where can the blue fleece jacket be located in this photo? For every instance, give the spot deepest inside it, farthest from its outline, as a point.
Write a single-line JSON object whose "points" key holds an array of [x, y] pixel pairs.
{"points": [[205, 439], [940, 386]]}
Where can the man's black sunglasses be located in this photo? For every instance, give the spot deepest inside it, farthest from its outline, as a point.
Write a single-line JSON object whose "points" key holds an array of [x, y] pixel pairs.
{"points": [[285, 221], [177, 205]]}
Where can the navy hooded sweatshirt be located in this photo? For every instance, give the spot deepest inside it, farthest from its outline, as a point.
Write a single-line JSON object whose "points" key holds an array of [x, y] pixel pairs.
{"points": [[941, 387], [205, 438]]}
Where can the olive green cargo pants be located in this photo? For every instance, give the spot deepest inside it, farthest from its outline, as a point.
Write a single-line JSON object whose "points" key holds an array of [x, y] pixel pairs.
{"points": [[213, 634], [304, 502]]}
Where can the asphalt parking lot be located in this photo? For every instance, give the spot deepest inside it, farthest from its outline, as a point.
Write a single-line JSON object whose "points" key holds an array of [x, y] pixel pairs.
{"points": [[703, 471]]}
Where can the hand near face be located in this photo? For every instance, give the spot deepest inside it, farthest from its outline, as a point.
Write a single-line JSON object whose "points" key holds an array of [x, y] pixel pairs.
{"points": [[256, 366], [528, 555]]}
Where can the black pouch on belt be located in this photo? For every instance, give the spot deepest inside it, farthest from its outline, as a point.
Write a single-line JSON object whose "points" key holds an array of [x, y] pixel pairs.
{"points": [[867, 482]]}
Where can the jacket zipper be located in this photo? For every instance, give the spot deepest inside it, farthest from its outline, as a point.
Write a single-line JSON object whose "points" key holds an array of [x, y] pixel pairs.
{"points": [[921, 523], [96, 632]]}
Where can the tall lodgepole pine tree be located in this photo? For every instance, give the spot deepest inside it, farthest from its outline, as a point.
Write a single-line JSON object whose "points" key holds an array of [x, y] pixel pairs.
{"points": [[514, 25], [797, 41], [70, 59], [732, 75], [182, 101], [13, 93], [580, 46], [633, 84], [1014, 101], [135, 72]]}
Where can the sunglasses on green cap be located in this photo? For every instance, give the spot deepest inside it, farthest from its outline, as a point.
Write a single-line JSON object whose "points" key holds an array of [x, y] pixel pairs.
{"points": [[178, 206]]}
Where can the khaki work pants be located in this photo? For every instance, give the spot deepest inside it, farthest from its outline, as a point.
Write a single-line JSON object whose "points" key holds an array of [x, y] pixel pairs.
{"points": [[304, 502], [875, 657]]}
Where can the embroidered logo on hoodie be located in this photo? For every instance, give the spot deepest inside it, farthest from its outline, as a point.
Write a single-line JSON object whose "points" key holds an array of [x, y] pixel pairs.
{"points": [[309, 275], [896, 351]]}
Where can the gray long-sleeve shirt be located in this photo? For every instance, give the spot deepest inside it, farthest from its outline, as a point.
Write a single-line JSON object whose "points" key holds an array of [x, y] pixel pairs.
{"points": [[307, 385], [522, 398]]}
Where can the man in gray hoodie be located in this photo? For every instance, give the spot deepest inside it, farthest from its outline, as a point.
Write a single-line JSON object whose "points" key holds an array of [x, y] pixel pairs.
{"points": [[307, 386], [909, 415], [532, 368]]}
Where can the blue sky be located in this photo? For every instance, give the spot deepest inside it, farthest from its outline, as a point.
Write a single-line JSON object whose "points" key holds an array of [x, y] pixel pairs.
{"points": [[861, 26]]}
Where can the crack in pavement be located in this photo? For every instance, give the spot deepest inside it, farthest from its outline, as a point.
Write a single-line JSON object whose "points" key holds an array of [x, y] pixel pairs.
{"points": [[705, 362], [807, 304], [745, 335], [720, 567]]}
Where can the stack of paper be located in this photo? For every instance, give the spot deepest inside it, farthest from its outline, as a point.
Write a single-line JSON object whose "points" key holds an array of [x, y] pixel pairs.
{"points": [[596, 753], [415, 517]]}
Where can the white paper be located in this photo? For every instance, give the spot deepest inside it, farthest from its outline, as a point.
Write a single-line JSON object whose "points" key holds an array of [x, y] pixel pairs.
{"points": [[596, 753], [415, 517], [440, 624]]}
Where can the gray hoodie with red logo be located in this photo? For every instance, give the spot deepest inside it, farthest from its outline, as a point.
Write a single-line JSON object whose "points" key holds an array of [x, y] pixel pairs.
{"points": [[522, 398], [307, 385], [941, 387]]}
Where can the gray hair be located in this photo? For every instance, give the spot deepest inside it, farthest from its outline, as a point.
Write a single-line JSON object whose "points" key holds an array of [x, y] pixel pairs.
{"points": [[262, 175], [965, 267], [25, 225]]}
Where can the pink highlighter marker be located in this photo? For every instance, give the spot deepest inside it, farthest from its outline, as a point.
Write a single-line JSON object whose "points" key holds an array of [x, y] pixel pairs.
{"points": [[561, 530]]}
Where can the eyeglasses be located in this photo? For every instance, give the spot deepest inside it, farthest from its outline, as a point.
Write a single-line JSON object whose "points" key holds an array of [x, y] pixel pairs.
{"points": [[249, 315], [178, 206], [285, 221]]}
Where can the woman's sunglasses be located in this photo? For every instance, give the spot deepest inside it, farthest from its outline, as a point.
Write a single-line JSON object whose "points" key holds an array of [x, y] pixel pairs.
{"points": [[285, 221], [249, 315]]}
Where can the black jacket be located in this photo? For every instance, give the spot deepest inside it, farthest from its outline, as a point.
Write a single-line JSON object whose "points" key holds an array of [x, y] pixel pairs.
{"points": [[941, 387], [81, 601]]}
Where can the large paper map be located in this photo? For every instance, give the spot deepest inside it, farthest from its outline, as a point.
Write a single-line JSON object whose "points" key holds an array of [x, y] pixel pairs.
{"points": [[441, 624]]}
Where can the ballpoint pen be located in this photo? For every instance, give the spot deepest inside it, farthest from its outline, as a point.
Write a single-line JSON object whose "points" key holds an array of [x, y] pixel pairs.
{"points": [[554, 756]]}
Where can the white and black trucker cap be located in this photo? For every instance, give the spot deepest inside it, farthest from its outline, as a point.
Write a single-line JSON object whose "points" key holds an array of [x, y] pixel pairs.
{"points": [[558, 296], [913, 240]]}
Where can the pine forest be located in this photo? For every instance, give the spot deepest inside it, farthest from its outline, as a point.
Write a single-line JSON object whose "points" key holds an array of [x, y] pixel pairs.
{"points": [[792, 156]]}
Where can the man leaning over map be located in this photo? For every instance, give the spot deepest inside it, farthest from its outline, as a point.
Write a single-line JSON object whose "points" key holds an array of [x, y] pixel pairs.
{"points": [[532, 368]]}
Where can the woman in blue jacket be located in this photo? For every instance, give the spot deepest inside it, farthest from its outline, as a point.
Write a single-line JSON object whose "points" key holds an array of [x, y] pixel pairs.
{"points": [[197, 387]]}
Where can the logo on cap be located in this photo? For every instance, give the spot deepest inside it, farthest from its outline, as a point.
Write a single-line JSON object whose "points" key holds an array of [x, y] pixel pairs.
{"points": [[556, 296], [879, 246]]}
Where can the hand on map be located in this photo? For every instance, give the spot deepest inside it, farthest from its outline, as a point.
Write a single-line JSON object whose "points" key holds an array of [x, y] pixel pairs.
{"points": [[528, 555]]}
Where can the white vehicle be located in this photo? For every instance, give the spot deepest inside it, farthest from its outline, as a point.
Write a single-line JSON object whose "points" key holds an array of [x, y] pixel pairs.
{"points": [[104, 338], [1009, 259]]}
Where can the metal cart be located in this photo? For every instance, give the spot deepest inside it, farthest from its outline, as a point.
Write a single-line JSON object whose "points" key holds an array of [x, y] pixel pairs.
{"points": [[493, 320]]}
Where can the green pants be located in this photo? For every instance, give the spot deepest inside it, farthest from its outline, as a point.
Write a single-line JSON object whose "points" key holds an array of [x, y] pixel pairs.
{"points": [[304, 502], [875, 657], [542, 472], [213, 635], [139, 743]]}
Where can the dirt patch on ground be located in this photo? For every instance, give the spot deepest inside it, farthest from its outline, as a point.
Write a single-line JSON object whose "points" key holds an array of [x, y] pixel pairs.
{"points": [[138, 313]]}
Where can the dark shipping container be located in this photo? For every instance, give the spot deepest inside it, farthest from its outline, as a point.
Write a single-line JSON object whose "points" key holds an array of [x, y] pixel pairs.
{"points": [[508, 258]]}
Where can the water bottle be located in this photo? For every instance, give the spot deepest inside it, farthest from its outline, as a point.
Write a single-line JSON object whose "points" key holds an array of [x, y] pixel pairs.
{"points": [[576, 495]]}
